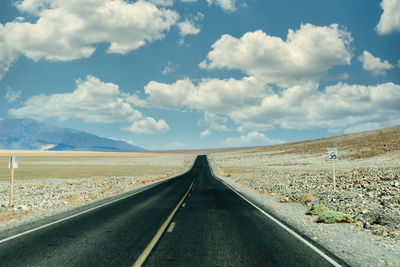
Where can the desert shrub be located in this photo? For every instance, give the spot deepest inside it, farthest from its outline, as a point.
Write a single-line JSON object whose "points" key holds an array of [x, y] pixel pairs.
{"points": [[331, 216], [317, 209]]}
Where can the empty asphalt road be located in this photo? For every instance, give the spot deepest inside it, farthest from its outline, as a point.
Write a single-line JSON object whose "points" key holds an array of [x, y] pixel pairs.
{"points": [[212, 226]]}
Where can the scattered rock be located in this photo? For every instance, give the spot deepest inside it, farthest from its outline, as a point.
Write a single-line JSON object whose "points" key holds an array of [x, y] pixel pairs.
{"points": [[283, 199]]}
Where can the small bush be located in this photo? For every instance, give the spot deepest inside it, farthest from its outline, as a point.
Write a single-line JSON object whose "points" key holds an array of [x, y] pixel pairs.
{"points": [[317, 209], [334, 217]]}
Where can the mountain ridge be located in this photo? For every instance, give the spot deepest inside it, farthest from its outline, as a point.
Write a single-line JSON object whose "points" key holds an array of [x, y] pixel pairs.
{"points": [[28, 134]]}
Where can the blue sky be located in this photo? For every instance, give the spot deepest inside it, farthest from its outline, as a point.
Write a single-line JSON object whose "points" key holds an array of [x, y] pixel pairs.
{"points": [[174, 74]]}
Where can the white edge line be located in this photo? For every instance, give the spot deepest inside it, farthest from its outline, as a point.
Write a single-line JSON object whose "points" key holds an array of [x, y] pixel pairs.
{"points": [[317, 250], [97, 207], [79, 213]]}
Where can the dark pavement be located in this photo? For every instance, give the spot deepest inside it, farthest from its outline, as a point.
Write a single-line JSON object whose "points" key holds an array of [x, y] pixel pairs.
{"points": [[215, 227]]}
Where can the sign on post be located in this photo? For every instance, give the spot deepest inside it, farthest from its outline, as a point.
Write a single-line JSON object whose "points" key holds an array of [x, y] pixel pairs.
{"points": [[332, 156], [15, 162], [12, 164]]}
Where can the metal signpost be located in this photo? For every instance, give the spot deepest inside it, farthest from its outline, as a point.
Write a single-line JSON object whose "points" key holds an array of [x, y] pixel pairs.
{"points": [[332, 156], [12, 164]]}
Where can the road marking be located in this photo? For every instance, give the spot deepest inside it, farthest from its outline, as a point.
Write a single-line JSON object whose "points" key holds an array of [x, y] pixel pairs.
{"points": [[183, 205], [79, 213], [171, 227], [307, 243], [146, 252]]}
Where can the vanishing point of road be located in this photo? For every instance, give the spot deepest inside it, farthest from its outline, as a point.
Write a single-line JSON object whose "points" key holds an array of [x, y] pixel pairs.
{"points": [[190, 220]]}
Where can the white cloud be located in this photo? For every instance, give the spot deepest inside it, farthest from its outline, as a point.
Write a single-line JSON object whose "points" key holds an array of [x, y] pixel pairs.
{"points": [[32, 7], [91, 101], [390, 18], [214, 121], [307, 54], [7, 55], [188, 27], [205, 133], [226, 5], [68, 30], [12, 95], [255, 106], [135, 100], [168, 96], [374, 64], [169, 67], [148, 126], [337, 108], [213, 95], [251, 139]]}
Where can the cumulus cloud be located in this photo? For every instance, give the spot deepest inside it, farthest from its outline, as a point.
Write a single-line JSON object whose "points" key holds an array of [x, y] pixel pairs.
{"points": [[91, 101], [205, 133], [390, 18], [188, 27], [374, 64], [148, 125], [306, 54], [214, 121], [255, 106], [168, 96], [226, 5], [213, 95], [251, 139], [282, 89], [12, 95], [337, 108], [68, 30]]}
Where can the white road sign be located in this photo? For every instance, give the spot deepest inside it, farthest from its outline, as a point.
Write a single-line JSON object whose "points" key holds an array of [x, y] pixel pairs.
{"points": [[333, 154], [15, 162]]}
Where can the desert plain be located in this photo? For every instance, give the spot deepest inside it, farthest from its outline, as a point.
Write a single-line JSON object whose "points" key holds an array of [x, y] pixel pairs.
{"points": [[286, 179]]}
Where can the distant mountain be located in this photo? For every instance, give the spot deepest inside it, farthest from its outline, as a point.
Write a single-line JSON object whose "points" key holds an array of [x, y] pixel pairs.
{"points": [[27, 134]]}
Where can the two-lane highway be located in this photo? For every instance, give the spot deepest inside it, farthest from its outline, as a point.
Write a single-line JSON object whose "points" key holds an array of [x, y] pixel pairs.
{"points": [[212, 227], [218, 228]]}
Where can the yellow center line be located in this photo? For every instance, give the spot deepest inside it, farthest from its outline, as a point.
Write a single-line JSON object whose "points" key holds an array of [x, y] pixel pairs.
{"points": [[153, 242], [183, 205], [171, 227]]}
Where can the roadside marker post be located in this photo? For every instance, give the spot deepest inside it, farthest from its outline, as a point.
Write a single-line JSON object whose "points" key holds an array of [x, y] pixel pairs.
{"points": [[332, 156], [12, 164]]}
